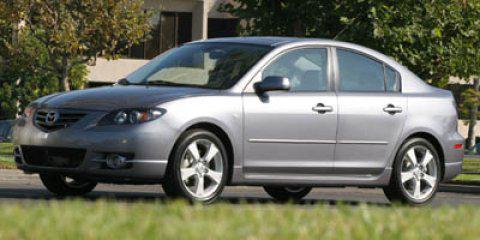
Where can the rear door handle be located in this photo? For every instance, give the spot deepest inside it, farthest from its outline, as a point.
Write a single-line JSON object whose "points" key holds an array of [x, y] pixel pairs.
{"points": [[321, 108], [391, 109]]}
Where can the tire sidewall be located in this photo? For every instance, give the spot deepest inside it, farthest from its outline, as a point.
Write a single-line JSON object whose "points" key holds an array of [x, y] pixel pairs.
{"points": [[56, 184], [186, 140], [283, 194], [398, 169]]}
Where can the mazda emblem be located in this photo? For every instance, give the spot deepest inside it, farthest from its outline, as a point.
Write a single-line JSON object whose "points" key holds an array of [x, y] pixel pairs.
{"points": [[51, 118]]}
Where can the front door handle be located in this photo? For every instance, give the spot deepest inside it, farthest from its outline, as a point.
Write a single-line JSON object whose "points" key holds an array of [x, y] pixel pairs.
{"points": [[321, 108], [391, 109]]}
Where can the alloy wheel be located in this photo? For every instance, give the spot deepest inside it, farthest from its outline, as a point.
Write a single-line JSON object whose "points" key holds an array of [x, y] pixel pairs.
{"points": [[201, 168], [419, 172]]}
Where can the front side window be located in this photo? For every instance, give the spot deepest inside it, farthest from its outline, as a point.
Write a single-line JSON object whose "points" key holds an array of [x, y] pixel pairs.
{"points": [[206, 65], [307, 69], [359, 73]]}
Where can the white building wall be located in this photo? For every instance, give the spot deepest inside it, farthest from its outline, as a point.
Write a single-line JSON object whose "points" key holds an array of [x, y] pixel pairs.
{"points": [[106, 71], [110, 71]]}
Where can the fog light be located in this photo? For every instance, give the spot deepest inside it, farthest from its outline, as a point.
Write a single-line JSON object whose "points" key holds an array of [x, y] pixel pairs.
{"points": [[115, 161]]}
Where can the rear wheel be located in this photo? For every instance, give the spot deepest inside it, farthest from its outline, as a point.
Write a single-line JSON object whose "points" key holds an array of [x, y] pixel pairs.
{"points": [[198, 168], [287, 193], [416, 173], [66, 186]]}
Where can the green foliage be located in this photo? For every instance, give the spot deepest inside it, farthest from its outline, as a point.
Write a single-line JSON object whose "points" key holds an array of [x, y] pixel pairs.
{"points": [[75, 32], [324, 19], [435, 39], [470, 98], [27, 75], [44, 45]]}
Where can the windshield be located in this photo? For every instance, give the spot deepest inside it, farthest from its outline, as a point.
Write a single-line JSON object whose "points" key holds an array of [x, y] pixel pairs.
{"points": [[206, 65]]}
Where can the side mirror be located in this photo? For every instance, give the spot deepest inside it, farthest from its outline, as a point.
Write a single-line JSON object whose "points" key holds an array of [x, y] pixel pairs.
{"points": [[272, 83], [123, 81]]}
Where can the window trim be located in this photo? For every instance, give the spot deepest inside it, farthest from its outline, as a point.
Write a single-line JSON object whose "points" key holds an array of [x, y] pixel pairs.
{"points": [[330, 75], [398, 76]]}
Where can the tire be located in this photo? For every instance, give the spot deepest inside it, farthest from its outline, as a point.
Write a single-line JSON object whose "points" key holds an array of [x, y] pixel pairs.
{"points": [[403, 187], [60, 186], [194, 162], [284, 194]]}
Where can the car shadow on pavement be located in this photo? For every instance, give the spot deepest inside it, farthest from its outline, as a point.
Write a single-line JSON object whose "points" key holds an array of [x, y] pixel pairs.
{"points": [[15, 194]]}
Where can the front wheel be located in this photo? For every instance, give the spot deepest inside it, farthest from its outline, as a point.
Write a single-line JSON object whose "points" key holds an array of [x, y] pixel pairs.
{"points": [[65, 186], [198, 168], [287, 193], [416, 173]]}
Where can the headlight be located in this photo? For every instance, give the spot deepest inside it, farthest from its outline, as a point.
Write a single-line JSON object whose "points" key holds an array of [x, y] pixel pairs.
{"points": [[131, 116]]}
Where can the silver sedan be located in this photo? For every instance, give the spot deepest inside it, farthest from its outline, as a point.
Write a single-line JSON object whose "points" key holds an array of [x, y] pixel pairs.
{"points": [[283, 113]]}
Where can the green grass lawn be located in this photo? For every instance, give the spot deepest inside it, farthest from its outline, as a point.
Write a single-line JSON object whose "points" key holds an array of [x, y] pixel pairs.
{"points": [[469, 165], [6, 149], [177, 220], [6, 158]]}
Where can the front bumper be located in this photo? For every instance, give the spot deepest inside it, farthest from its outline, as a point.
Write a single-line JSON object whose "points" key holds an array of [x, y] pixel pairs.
{"points": [[148, 144]]}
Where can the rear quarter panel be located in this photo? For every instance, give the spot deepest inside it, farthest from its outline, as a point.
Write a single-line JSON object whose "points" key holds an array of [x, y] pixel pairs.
{"points": [[435, 113]]}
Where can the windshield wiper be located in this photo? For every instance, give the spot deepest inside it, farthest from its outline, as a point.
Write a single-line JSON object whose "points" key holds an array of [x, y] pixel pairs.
{"points": [[166, 83]]}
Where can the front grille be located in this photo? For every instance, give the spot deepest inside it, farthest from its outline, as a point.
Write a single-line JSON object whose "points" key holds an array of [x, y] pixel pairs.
{"points": [[53, 156], [51, 120]]}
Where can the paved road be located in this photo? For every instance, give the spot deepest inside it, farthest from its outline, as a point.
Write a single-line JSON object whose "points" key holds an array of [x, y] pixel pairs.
{"points": [[15, 186]]}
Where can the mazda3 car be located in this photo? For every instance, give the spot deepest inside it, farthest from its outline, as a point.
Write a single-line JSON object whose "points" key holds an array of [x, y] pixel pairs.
{"points": [[286, 114]]}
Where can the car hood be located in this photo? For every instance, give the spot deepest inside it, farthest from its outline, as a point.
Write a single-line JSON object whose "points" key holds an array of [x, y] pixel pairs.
{"points": [[115, 97]]}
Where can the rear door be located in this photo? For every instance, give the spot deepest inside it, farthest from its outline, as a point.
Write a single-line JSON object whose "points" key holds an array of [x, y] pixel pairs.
{"points": [[371, 113]]}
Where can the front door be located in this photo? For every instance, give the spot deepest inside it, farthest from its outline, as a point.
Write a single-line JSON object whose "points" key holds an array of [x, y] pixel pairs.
{"points": [[292, 132], [371, 114]]}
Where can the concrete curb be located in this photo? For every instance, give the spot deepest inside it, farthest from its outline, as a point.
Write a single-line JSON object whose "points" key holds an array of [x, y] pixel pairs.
{"points": [[457, 188]]}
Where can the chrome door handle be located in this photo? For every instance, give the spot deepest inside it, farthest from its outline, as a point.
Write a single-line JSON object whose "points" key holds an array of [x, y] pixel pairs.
{"points": [[391, 109], [321, 108]]}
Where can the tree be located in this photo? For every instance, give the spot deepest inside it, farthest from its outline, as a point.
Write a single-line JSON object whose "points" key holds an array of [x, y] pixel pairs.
{"points": [[467, 66], [309, 18], [432, 39], [75, 32], [419, 34], [27, 75], [470, 106]]}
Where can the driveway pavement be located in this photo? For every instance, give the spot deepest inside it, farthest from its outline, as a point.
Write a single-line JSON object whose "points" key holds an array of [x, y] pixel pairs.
{"points": [[16, 186]]}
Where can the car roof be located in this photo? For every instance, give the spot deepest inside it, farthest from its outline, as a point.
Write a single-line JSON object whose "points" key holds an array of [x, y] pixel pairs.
{"points": [[410, 82], [265, 41]]}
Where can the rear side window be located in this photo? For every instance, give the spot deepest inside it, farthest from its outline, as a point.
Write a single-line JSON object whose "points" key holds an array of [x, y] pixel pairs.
{"points": [[392, 81], [359, 73]]}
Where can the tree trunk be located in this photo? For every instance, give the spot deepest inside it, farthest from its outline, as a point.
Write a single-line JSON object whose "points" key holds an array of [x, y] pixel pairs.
{"points": [[63, 84], [473, 118]]}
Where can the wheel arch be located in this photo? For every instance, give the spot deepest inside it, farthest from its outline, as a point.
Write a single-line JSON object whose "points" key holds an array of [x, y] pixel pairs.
{"points": [[434, 141], [220, 133]]}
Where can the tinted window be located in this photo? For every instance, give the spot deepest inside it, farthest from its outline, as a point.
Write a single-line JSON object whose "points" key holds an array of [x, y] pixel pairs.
{"points": [[359, 73], [392, 80], [307, 69]]}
